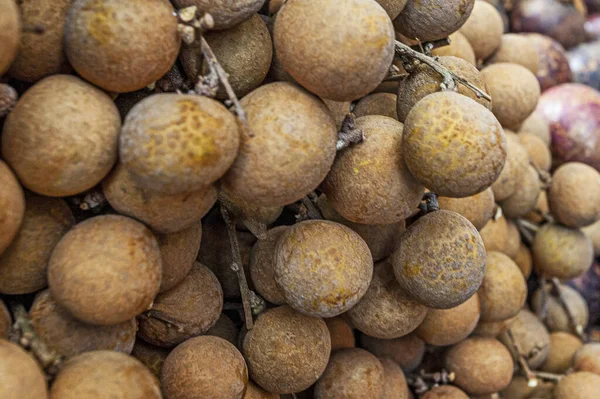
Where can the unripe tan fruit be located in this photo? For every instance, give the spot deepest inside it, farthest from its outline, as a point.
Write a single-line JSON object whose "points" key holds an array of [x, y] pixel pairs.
{"points": [[10, 26], [562, 349], [406, 351], [539, 153], [179, 251], [514, 240], [478, 208], [394, 382], [517, 162], [341, 333], [151, 356], [536, 125], [20, 375], [495, 235], [445, 392], [377, 104], [526, 194], [483, 29], [556, 316], [587, 358], [516, 49], [225, 14], [459, 47], [12, 206], [262, 266], [531, 337], [580, 385]]}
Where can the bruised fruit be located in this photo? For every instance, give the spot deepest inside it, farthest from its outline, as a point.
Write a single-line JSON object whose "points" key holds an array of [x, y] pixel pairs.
{"points": [[226, 14], [341, 333], [459, 47], [5, 321], [20, 375], [445, 392], [517, 162], [530, 336], [516, 49], [394, 382], [579, 385], [495, 234], [377, 104], [152, 356], [262, 266], [178, 252], [12, 206], [478, 208], [556, 316], [562, 349], [483, 29], [406, 351], [553, 66], [10, 36]]}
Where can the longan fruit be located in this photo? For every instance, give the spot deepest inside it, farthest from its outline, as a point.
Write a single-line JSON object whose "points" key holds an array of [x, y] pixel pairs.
{"points": [[5, 321], [262, 266], [41, 53], [302, 350], [443, 327], [440, 273], [121, 46], [369, 182], [164, 213], [225, 329], [517, 163], [556, 316], [23, 265], [406, 351], [253, 391], [386, 311], [515, 91], [105, 270], [513, 241], [459, 47], [519, 388], [587, 358], [249, 216], [541, 208], [20, 375], [593, 233], [503, 291], [492, 329], [338, 109], [495, 234], [573, 184], [560, 251], [319, 59], [42, 139], [179, 251], [102, 374], [226, 14], [377, 104], [341, 333], [483, 29], [524, 260], [539, 153], [562, 349], [174, 143], [525, 197], [424, 81], [12, 206], [431, 145], [516, 49], [536, 125], [392, 7], [394, 382], [481, 365], [478, 208], [351, 373], [430, 20], [151, 356], [580, 385], [10, 33], [531, 337], [289, 155], [444, 392], [322, 268]]}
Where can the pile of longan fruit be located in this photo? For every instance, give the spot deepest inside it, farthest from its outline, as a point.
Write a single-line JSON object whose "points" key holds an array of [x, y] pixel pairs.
{"points": [[404, 202]]}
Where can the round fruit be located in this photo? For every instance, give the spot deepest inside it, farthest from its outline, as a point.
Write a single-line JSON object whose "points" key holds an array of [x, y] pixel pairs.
{"points": [[224, 328], [392, 7], [106, 270], [524, 261], [10, 26], [517, 49], [556, 316], [539, 153], [531, 337], [553, 66], [12, 206], [431, 145], [541, 210], [253, 391], [341, 333], [587, 358], [351, 373], [369, 182], [377, 104], [322, 268], [185, 311], [394, 382], [536, 125], [152, 356], [5, 321], [593, 233], [262, 266], [406, 351], [319, 59], [492, 329], [337, 109], [514, 240], [517, 162], [289, 155], [20, 375], [459, 47], [42, 138], [440, 273], [174, 143], [495, 235], [178, 252], [525, 197], [226, 14], [478, 208], [302, 346], [580, 385], [484, 29], [445, 392], [562, 349], [121, 46]]}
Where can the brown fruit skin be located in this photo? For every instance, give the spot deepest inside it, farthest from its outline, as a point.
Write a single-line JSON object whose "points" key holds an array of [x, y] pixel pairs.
{"points": [[392, 7], [253, 391], [431, 20], [303, 347], [503, 291], [338, 109], [445, 392], [262, 266], [459, 47], [119, 46], [515, 91], [541, 208], [483, 29], [519, 388], [102, 374], [106, 270], [341, 333], [525, 197], [424, 81], [517, 163], [12, 206], [478, 208], [10, 33], [69, 337], [224, 328], [320, 62], [492, 329], [531, 336], [152, 356], [322, 268], [580, 385], [450, 326], [20, 375], [587, 358], [513, 241], [164, 213], [369, 182], [593, 233], [42, 138], [516, 49], [572, 184], [185, 311], [431, 145], [226, 14], [556, 318], [562, 252], [386, 311], [5, 321], [444, 273], [179, 251], [524, 260], [562, 349], [289, 155], [23, 265], [495, 235], [377, 104], [41, 54], [406, 351], [173, 143], [539, 153], [537, 126], [394, 382], [351, 374]]}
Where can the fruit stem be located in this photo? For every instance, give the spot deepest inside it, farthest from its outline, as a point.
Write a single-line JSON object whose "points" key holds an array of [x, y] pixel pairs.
{"points": [[348, 133], [575, 327], [311, 210], [429, 203], [424, 381], [8, 99]]}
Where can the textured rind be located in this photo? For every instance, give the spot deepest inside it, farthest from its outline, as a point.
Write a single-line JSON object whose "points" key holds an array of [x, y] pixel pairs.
{"points": [[392, 7], [394, 382], [557, 319], [407, 351], [105, 374], [580, 385], [513, 240], [10, 33], [5, 321], [152, 356], [572, 185], [353, 374], [562, 252], [189, 309], [341, 333], [106, 270], [69, 337], [12, 206], [517, 162], [20, 375], [430, 20], [302, 345], [253, 391], [481, 365], [539, 153], [525, 197], [536, 125], [503, 291], [478, 208], [516, 49], [483, 29], [291, 152], [349, 54], [377, 104], [459, 152], [121, 46], [174, 143], [445, 392], [385, 311], [443, 273], [225, 13], [531, 336], [179, 251], [587, 358], [369, 182], [563, 347], [322, 268], [163, 213], [459, 47], [262, 266], [42, 138], [553, 67], [41, 54], [495, 235], [23, 265], [424, 80]]}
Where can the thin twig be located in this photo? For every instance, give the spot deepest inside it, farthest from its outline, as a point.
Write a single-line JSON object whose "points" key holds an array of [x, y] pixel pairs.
{"points": [[312, 211], [349, 134], [575, 327], [427, 47]]}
